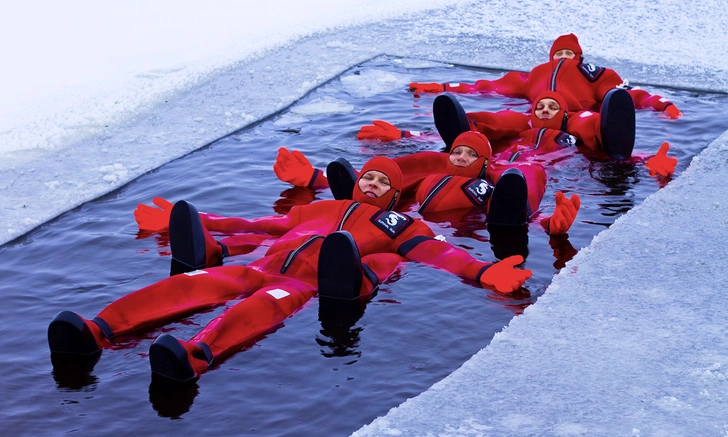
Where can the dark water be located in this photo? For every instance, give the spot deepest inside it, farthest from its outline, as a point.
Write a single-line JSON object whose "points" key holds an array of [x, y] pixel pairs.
{"points": [[304, 379]]}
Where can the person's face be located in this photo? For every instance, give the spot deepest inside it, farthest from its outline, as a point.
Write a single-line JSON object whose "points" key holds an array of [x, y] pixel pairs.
{"points": [[546, 109], [374, 183], [463, 156], [564, 54]]}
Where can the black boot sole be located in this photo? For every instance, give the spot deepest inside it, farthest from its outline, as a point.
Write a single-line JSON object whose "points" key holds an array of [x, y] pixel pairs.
{"points": [[617, 124], [342, 178], [186, 238], [509, 202], [68, 333], [450, 119], [339, 267], [168, 358]]}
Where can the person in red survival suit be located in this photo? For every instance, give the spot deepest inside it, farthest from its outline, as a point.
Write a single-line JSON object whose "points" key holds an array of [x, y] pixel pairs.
{"points": [[583, 85], [512, 202], [548, 132], [550, 112], [611, 130], [514, 127], [451, 181], [310, 254]]}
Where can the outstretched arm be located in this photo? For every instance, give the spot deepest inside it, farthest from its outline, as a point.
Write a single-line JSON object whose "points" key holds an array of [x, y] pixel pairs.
{"points": [[501, 276], [384, 131], [643, 99], [511, 84], [293, 167], [661, 164], [153, 219], [272, 225], [564, 214]]}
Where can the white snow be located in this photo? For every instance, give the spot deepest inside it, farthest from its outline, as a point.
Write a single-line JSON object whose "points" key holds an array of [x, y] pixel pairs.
{"points": [[630, 339]]}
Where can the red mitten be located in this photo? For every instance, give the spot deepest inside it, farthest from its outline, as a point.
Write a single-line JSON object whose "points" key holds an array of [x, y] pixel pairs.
{"points": [[153, 219], [672, 112], [381, 130], [432, 87], [564, 214], [293, 167], [504, 277], [661, 164]]}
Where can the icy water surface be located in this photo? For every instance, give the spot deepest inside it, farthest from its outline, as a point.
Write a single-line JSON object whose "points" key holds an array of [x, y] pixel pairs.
{"points": [[308, 378]]}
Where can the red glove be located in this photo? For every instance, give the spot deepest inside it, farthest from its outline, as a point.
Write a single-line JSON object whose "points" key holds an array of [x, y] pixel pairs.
{"points": [[564, 214], [672, 112], [293, 167], [661, 164], [381, 130], [504, 277], [432, 87], [153, 219]]}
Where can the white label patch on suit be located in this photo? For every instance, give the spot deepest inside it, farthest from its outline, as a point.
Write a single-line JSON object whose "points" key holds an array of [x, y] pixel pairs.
{"points": [[196, 272], [586, 114], [278, 293]]}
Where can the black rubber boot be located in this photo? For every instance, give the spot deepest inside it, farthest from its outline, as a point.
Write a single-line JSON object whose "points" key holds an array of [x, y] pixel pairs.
{"points": [[168, 358], [509, 202], [186, 238], [450, 119], [342, 178], [339, 267], [617, 124], [68, 333]]}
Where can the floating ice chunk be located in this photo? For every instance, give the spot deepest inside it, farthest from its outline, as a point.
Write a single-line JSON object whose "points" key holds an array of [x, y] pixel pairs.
{"points": [[323, 107], [372, 82]]}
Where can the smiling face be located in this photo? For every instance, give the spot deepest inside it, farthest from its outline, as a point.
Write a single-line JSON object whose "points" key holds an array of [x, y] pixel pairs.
{"points": [[374, 183], [546, 109], [564, 54], [463, 156]]}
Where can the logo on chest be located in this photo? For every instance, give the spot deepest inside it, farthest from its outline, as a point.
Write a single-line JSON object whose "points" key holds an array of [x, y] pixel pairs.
{"points": [[566, 140], [390, 222], [478, 191], [591, 71]]}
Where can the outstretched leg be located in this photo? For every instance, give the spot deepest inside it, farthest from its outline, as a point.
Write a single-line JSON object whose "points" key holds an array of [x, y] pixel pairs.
{"points": [[612, 130], [191, 244], [261, 312], [342, 178], [149, 306], [343, 274], [617, 124], [450, 118], [509, 202]]}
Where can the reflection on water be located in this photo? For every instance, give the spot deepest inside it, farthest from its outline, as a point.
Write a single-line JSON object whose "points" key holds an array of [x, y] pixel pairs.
{"points": [[172, 399], [339, 337], [74, 372]]}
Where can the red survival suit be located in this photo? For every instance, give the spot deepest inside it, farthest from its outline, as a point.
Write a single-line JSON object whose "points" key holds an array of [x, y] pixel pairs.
{"points": [[544, 136], [466, 187], [437, 184], [278, 284], [582, 84]]}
